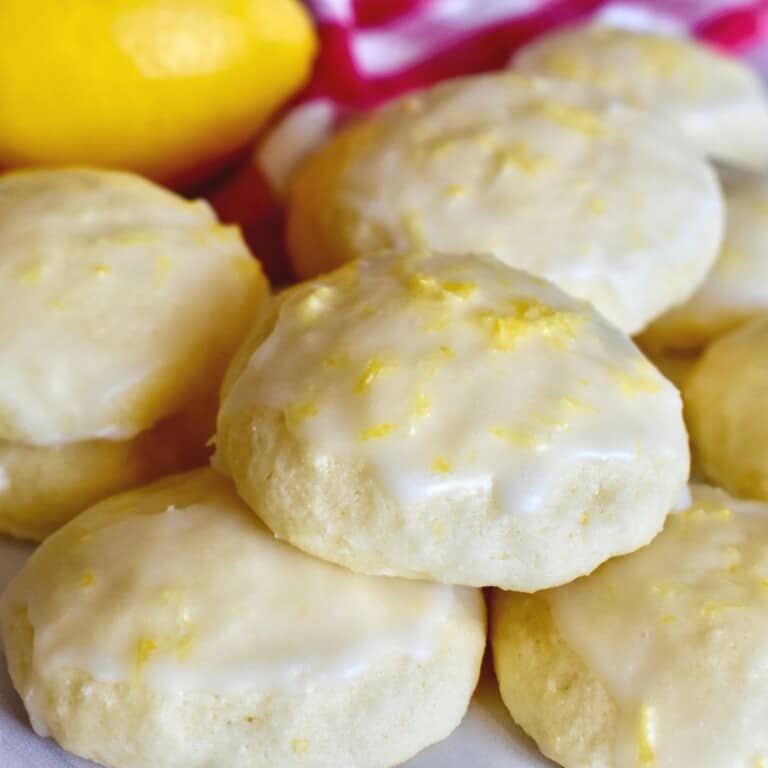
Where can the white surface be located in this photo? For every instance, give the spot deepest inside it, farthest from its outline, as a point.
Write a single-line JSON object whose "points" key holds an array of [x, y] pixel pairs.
{"points": [[487, 737]]}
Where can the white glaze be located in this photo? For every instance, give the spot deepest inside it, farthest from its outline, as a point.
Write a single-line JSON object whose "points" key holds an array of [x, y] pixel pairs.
{"points": [[198, 596], [678, 633], [457, 373], [119, 303]]}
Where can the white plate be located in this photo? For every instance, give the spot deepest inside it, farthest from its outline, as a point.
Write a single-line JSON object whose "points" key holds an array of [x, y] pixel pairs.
{"points": [[486, 738]]}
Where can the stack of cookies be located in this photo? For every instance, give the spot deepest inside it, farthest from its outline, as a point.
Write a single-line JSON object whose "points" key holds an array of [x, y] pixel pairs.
{"points": [[451, 400]]}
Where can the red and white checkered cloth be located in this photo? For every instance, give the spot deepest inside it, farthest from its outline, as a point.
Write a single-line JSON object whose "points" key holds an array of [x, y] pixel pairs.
{"points": [[373, 50]]}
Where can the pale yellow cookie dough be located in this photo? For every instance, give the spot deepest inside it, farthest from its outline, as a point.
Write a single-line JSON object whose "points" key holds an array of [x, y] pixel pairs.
{"points": [[449, 417], [42, 487], [726, 404], [602, 200], [717, 101], [120, 303], [737, 288], [656, 660], [168, 628]]}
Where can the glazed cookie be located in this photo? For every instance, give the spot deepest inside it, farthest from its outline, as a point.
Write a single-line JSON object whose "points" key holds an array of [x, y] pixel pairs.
{"points": [[602, 200], [656, 659], [119, 301], [449, 417], [167, 627], [737, 288], [726, 402], [716, 101], [120, 307]]}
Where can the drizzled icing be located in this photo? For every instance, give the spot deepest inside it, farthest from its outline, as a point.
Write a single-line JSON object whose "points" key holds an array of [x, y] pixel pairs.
{"points": [[179, 587], [678, 633], [457, 374]]}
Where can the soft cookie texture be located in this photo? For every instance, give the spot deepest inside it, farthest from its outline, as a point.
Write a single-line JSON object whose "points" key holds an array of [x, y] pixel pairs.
{"points": [[726, 402], [120, 307], [737, 288], [602, 200], [168, 628], [44, 486], [656, 660], [716, 101], [449, 417]]}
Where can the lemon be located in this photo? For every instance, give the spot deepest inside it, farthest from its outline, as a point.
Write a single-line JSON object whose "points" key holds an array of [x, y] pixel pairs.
{"points": [[167, 88]]}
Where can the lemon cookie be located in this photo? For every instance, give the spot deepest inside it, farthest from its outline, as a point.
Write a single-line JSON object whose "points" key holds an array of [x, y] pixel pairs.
{"points": [[737, 288], [167, 627], [120, 306], [449, 417], [598, 198], [726, 402], [716, 101], [656, 659], [118, 299]]}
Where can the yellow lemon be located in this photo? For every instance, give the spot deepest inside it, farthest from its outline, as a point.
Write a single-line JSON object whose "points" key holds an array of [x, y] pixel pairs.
{"points": [[168, 88]]}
